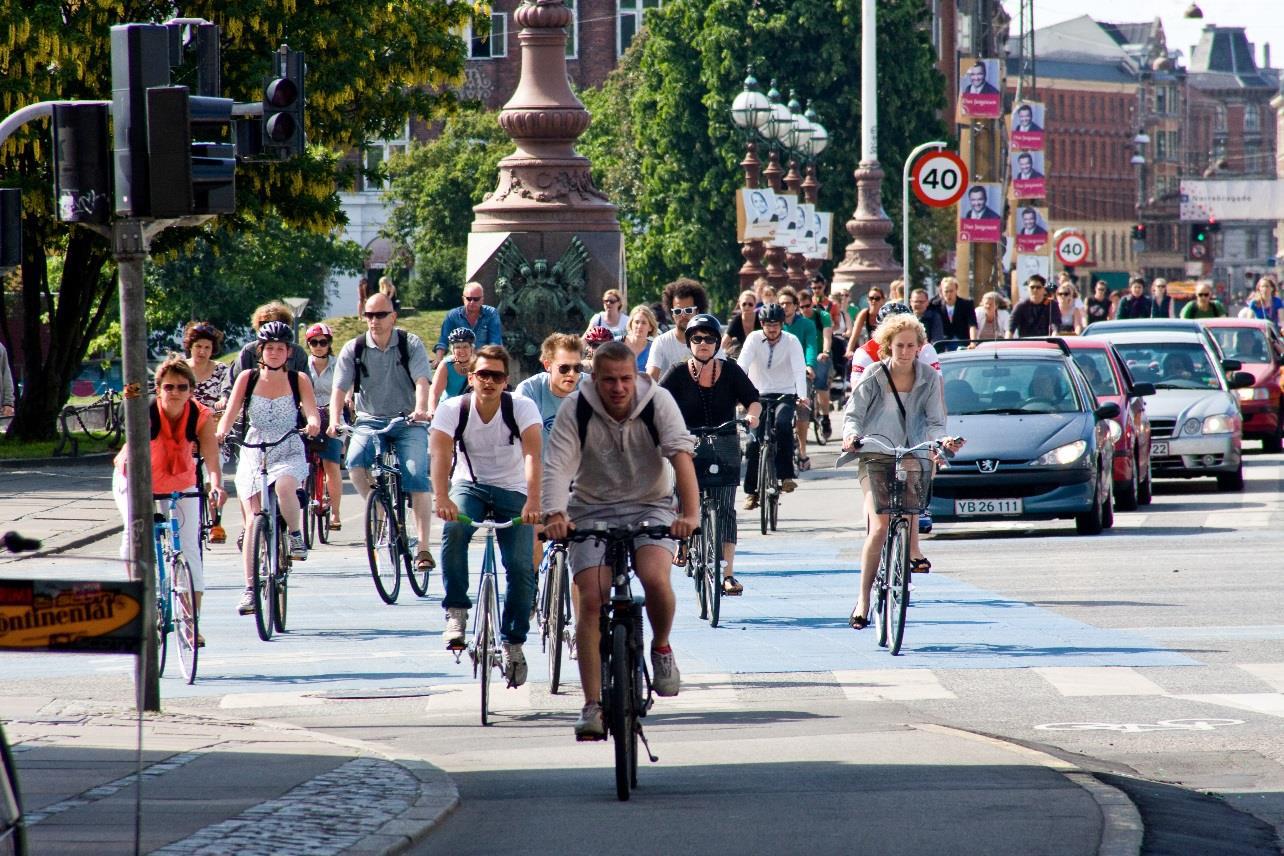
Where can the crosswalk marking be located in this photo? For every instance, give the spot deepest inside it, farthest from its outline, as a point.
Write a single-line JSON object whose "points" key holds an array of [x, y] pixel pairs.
{"points": [[1271, 704], [1098, 681], [235, 701], [890, 685], [1269, 673], [705, 691]]}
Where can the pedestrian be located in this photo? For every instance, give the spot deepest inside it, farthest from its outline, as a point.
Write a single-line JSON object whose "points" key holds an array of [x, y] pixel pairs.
{"points": [[992, 317], [612, 316], [1203, 306], [321, 365], [1161, 304], [1071, 321], [822, 369], [866, 319], [804, 329], [363, 291], [1099, 305], [1265, 304], [957, 314], [6, 385], [1036, 315], [201, 342], [1135, 304], [641, 332], [481, 319], [389, 290], [248, 358], [741, 323], [683, 299]]}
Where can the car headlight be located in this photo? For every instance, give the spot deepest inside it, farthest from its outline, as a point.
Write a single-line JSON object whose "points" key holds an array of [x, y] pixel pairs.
{"points": [[1062, 455], [1253, 393], [1190, 426], [1218, 425], [1116, 430]]}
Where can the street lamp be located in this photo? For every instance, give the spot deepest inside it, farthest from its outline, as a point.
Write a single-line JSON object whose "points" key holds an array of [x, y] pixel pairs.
{"points": [[775, 130], [750, 112], [816, 143], [795, 139]]}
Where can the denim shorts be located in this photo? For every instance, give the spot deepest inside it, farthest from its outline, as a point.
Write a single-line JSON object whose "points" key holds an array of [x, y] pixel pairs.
{"points": [[821, 370], [411, 442]]}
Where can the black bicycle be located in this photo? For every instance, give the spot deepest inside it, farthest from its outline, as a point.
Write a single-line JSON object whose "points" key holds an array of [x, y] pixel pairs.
{"points": [[717, 462], [815, 415], [271, 551], [388, 547], [553, 611], [768, 479]]}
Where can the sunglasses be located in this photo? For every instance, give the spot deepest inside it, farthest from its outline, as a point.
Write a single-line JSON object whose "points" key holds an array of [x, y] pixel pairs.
{"points": [[610, 302], [684, 310], [876, 298], [490, 375], [804, 305], [379, 315], [569, 368], [317, 343], [701, 340], [175, 387], [1063, 294], [786, 303], [1203, 294], [473, 299]]}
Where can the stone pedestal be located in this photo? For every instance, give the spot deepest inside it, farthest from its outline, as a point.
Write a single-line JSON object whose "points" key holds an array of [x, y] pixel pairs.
{"points": [[868, 259]]}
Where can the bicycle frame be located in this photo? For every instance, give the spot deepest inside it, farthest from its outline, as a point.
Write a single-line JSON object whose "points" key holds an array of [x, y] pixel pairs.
{"points": [[269, 611], [484, 648]]}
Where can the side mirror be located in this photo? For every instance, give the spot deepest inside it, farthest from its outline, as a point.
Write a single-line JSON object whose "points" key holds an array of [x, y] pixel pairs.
{"points": [[1143, 388], [1232, 365], [1109, 410], [1240, 380]]}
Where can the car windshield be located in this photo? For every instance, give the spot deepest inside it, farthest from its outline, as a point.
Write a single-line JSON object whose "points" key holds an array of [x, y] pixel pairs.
{"points": [[1008, 385], [1170, 365], [1246, 344], [1095, 366]]}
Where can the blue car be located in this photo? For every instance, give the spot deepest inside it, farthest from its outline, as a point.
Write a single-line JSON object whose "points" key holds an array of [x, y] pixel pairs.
{"points": [[1038, 444]]}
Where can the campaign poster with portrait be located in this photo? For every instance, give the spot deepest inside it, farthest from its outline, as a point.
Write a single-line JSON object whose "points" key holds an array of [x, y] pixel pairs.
{"points": [[787, 211], [1026, 126], [804, 240], [980, 220], [1031, 229], [1028, 180], [755, 213], [823, 223], [980, 96], [1027, 266]]}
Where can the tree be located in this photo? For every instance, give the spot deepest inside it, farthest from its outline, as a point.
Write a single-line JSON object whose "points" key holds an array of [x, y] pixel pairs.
{"points": [[434, 187], [371, 64], [664, 148]]}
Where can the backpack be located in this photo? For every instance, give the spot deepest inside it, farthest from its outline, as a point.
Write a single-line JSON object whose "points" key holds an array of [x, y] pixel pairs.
{"points": [[293, 377], [403, 352], [153, 415], [465, 408], [584, 412]]}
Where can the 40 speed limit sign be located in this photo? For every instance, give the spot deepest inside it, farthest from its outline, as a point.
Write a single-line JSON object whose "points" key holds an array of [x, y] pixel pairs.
{"points": [[1071, 248], [940, 179]]}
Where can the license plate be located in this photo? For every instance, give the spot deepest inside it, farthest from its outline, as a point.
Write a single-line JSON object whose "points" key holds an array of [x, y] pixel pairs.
{"points": [[1159, 448], [972, 507]]}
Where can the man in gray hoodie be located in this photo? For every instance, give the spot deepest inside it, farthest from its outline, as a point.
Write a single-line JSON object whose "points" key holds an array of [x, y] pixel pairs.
{"points": [[620, 478]]}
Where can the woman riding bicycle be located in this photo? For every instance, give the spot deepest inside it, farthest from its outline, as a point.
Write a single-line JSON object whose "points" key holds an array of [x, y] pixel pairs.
{"points": [[707, 391], [451, 377], [901, 400], [201, 341], [321, 363], [273, 413], [176, 418]]}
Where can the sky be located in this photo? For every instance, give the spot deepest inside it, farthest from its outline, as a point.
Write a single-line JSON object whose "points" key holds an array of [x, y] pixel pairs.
{"points": [[1262, 20]]}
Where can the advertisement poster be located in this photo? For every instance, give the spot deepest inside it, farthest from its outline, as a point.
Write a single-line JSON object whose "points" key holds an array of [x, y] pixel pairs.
{"points": [[824, 224], [979, 93], [804, 240], [1027, 124], [755, 214], [70, 615], [786, 212], [1028, 181], [1028, 266], [1032, 230], [979, 217]]}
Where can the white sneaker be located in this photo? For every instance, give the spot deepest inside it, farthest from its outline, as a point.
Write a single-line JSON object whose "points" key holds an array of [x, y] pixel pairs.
{"points": [[590, 725], [456, 621], [246, 606], [514, 664], [665, 677], [298, 547]]}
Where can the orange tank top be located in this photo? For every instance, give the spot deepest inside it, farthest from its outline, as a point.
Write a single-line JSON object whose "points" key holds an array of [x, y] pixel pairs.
{"points": [[173, 466]]}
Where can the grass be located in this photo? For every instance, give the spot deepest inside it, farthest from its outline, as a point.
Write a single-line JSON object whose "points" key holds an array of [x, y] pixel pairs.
{"points": [[426, 324], [14, 450]]}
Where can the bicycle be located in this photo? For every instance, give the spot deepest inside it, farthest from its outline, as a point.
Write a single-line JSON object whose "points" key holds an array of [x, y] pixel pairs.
{"points": [[554, 614], [814, 413], [316, 496], [768, 480], [175, 589], [388, 548], [484, 650], [717, 462], [626, 681], [112, 407], [903, 493], [271, 551]]}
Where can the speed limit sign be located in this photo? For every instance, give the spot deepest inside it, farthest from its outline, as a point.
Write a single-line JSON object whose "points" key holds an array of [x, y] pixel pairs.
{"points": [[940, 179], [1072, 248]]}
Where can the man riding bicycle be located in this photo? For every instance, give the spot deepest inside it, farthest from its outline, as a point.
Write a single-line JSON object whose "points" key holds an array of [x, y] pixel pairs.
{"points": [[612, 467], [774, 361]]}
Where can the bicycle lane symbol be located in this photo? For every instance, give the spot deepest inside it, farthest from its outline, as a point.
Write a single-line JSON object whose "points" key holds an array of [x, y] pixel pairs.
{"points": [[1142, 727]]}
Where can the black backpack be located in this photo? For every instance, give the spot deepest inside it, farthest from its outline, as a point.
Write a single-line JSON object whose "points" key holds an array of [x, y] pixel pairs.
{"points": [[359, 349], [465, 408], [584, 412], [293, 377]]}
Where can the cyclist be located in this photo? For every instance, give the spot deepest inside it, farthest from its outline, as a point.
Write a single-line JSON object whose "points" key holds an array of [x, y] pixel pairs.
{"points": [[560, 356], [176, 418], [275, 396], [774, 361], [451, 376], [823, 364], [248, 357], [595, 337], [707, 391], [497, 469], [683, 299], [805, 330], [612, 467], [902, 401], [387, 371], [202, 340], [321, 362]]}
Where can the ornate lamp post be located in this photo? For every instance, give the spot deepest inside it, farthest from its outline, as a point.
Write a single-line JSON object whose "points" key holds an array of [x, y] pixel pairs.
{"points": [[775, 131], [750, 111], [818, 142], [797, 141]]}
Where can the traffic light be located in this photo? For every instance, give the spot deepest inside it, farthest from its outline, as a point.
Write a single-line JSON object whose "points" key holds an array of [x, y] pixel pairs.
{"points": [[140, 59], [1139, 232], [10, 227], [283, 100], [1200, 245], [192, 158], [82, 181]]}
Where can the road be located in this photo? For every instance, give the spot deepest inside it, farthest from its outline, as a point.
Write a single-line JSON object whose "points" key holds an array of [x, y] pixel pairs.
{"points": [[1150, 652]]}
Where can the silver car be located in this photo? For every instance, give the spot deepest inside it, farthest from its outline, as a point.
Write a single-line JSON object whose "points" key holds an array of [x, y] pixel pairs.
{"points": [[1196, 426]]}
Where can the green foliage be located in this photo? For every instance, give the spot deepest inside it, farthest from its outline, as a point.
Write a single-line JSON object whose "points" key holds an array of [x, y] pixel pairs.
{"points": [[664, 148], [435, 186]]}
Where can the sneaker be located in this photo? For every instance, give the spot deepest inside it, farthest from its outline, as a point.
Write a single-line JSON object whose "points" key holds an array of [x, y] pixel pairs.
{"points": [[456, 620], [246, 606], [218, 535], [788, 485], [924, 524], [751, 501], [825, 427], [298, 547], [514, 664], [590, 725], [665, 678]]}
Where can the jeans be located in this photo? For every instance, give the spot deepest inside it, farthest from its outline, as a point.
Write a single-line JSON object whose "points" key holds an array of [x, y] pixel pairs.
{"points": [[784, 420], [411, 442], [515, 543]]}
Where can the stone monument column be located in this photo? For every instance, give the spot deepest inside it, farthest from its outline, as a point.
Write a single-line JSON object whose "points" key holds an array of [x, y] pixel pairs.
{"points": [[546, 243]]}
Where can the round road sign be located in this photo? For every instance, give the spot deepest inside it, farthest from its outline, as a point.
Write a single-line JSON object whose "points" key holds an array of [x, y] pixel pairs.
{"points": [[1072, 249], [940, 179]]}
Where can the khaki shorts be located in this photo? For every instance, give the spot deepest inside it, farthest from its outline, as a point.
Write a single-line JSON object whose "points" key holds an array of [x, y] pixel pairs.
{"points": [[592, 553]]}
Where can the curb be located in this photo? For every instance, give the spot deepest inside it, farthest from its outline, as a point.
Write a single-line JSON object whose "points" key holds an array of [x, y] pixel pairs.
{"points": [[1122, 829], [61, 461]]}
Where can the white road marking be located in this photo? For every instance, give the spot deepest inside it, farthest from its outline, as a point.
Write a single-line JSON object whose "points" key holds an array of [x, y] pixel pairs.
{"points": [[1268, 673], [294, 698], [1271, 704], [1073, 681], [890, 685]]}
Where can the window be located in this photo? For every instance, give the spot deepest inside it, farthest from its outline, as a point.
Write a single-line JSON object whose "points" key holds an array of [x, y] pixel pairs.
{"points": [[1251, 243], [630, 21], [380, 152], [1219, 121], [1161, 100], [1252, 119], [1161, 146], [493, 46], [572, 31]]}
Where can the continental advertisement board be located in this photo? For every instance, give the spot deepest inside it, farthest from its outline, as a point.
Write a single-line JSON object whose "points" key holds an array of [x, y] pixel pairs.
{"points": [[91, 616]]}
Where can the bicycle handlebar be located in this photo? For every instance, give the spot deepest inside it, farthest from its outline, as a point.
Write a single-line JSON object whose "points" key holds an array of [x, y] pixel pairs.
{"points": [[488, 524], [283, 438], [714, 429], [901, 450], [177, 494], [403, 419], [602, 532]]}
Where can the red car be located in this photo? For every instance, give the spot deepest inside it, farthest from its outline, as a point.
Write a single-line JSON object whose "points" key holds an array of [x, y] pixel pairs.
{"points": [[1260, 350]]}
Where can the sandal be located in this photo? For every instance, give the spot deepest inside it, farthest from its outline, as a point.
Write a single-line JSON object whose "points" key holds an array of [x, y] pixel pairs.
{"points": [[920, 566], [804, 464], [731, 587], [335, 524], [858, 620], [424, 561]]}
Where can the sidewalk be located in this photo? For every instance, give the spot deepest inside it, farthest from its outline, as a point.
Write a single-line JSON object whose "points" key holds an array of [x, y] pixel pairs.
{"points": [[63, 505]]}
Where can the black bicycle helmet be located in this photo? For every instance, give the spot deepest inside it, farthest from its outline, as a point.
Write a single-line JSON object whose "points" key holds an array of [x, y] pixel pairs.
{"points": [[276, 331], [890, 309], [771, 312], [461, 336], [706, 322]]}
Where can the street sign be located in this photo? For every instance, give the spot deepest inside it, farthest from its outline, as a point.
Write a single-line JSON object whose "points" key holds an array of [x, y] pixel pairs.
{"points": [[99, 616], [1071, 247], [940, 178]]}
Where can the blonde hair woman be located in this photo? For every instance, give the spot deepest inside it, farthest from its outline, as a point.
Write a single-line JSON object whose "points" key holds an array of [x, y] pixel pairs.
{"points": [[612, 315], [640, 332]]}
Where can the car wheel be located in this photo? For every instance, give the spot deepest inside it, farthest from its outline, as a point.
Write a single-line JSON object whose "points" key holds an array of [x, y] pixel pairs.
{"points": [[1089, 522], [1145, 484], [1231, 481], [1126, 496]]}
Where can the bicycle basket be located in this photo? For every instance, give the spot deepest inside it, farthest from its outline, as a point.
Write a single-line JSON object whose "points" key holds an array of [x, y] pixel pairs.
{"points": [[717, 459], [907, 491]]}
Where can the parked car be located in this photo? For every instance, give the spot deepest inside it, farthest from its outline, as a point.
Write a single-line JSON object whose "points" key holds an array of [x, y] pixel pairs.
{"points": [[1196, 429], [1155, 324], [1038, 444], [1259, 348]]}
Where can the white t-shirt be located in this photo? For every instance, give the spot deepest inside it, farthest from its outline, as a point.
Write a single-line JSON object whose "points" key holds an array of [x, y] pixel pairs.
{"points": [[666, 351], [495, 461]]}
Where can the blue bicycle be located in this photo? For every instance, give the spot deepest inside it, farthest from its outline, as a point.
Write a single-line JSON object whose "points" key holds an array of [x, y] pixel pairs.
{"points": [[175, 590]]}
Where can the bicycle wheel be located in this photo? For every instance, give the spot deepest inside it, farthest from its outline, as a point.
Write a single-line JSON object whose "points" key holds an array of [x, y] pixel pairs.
{"points": [[162, 629], [898, 583], [280, 579], [13, 830], [697, 558], [712, 537], [774, 496], [764, 486], [622, 714], [485, 640], [186, 628], [418, 579], [382, 547], [559, 612], [261, 558], [305, 506], [321, 511], [817, 428]]}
